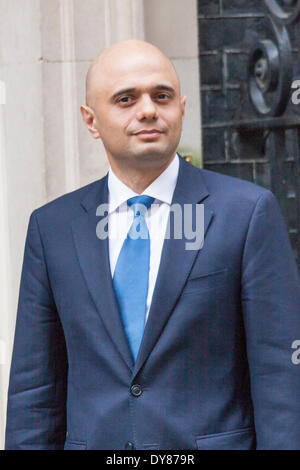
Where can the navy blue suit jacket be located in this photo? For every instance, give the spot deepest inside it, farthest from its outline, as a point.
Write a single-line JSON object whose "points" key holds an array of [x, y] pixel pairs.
{"points": [[214, 366]]}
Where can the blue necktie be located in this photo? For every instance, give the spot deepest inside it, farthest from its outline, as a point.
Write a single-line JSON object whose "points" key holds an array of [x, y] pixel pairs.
{"points": [[132, 273]]}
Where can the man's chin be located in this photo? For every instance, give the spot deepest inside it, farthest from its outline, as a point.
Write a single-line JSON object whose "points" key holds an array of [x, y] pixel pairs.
{"points": [[151, 160], [151, 151], [154, 155]]}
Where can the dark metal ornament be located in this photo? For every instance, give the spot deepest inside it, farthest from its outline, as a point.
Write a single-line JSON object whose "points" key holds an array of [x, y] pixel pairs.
{"points": [[271, 72], [285, 11]]}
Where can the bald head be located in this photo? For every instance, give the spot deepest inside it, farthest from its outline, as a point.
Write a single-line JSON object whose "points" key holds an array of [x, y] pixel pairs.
{"points": [[120, 58]]}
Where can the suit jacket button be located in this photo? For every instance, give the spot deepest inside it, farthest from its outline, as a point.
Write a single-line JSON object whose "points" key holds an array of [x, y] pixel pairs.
{"points": [[136, 390], [129, 446]]}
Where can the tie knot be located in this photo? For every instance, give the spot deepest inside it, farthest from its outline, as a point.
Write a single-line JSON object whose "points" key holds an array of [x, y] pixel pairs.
{"points": [[140, 204]]}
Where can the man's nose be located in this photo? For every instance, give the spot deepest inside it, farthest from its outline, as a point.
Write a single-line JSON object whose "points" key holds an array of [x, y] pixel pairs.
{"points": [[146, 109]]}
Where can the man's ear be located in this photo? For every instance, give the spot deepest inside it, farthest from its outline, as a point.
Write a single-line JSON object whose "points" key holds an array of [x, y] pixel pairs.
{"points": [[183, 103], [89, 118]]}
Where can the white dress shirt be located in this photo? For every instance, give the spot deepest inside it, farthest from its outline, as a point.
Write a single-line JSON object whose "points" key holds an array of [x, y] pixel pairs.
{"points": [[120, 217]]}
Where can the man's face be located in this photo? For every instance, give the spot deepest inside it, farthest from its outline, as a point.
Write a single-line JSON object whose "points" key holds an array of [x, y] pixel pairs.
{"points": [[137, 109]]}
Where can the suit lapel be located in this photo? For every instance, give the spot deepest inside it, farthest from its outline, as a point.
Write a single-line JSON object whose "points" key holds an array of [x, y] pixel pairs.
{"points": [[93, 257], [176, 262]]}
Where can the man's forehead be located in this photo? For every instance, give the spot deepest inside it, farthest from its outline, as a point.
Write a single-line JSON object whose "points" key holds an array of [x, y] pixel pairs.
{"points": [[113, 71], [144, 78]]}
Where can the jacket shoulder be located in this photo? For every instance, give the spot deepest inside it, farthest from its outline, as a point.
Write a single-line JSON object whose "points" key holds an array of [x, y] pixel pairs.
{"points": [[232, 188], [67, 205]]}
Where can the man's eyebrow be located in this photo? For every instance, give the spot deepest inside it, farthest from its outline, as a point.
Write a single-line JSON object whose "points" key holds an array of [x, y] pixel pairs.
{"points": [[160, 87], [165, 87], [122, 92]]}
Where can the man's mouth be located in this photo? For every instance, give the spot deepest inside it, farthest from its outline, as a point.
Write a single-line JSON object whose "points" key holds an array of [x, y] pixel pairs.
{"points": [[147, 133]]}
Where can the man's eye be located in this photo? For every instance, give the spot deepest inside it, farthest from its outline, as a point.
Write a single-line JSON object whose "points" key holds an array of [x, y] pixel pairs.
{"points": [[163, 96], [125, 99]]}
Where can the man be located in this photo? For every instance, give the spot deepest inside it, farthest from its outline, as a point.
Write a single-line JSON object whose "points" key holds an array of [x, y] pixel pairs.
{"points": [[141, 343]]}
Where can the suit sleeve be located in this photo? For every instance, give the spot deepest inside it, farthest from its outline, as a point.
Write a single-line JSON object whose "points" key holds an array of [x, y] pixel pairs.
{"points": [[271, 310], [36, 417]]}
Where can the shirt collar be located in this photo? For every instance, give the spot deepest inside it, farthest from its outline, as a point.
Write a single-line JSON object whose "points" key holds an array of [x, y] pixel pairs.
{"points": [[162, 188]]}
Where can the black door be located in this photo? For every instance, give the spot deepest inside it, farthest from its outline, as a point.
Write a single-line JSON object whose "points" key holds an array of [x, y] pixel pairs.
{"points": [[249, 67]]}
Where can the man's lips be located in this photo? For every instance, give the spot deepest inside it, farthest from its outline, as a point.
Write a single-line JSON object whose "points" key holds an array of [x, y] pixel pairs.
{"points": [[148, 133]]}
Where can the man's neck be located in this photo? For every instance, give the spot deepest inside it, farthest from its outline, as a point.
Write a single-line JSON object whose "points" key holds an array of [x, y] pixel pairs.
{"points": [[138, 179]]}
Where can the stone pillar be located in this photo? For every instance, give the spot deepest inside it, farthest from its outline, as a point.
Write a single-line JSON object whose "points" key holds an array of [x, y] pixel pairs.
{"points": [[72, 34], [124, 19]]}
